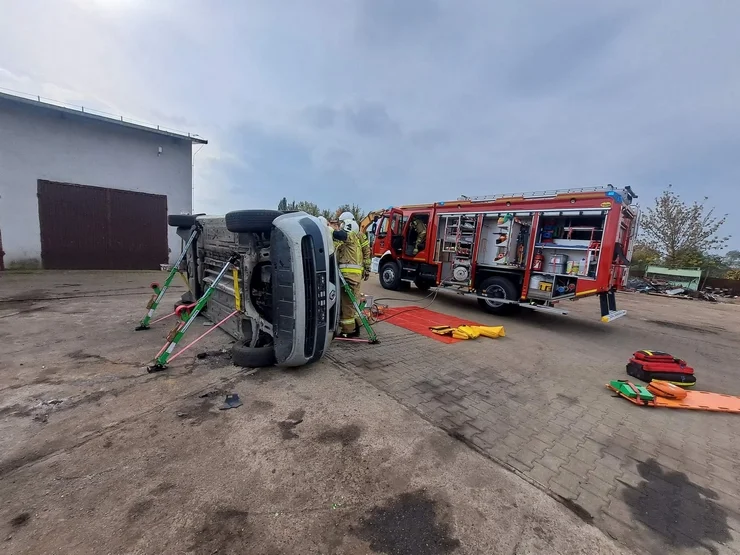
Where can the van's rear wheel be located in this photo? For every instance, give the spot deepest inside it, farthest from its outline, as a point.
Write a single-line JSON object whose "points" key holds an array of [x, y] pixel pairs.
{"points": [[390, 275], [497, 287], [251, 221]]}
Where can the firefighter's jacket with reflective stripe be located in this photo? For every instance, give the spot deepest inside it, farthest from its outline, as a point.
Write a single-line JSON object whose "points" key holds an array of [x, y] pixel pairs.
{"points": [[348, 252]]}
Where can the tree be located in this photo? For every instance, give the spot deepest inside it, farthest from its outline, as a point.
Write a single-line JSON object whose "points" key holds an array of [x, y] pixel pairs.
{"points": [[732, 259], [682, 233], [733, 274], [301, 205], [643, 255], [307, 207], [357, 212], [313, 209]]}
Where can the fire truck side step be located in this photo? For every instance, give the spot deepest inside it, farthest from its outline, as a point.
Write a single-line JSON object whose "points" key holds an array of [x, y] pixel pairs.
{"points": [[613, 315], [543, 308]]}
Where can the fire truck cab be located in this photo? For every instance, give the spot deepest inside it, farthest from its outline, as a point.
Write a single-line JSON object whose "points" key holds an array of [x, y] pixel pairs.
{"points": [[523, 249]]}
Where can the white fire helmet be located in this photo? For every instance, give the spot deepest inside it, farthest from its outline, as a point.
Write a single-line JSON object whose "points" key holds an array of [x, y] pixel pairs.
{"points": [[346, 216], [350, 225]]}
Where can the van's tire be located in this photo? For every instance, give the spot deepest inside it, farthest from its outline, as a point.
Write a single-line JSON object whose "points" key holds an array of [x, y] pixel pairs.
{"points": [[499, 287], [422, 284], [390, 275], [253, 357], [182, 220], [251, 221]]}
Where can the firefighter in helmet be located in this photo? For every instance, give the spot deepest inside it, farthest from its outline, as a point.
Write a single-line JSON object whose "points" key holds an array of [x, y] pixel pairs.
{"points": [[353, 257]]}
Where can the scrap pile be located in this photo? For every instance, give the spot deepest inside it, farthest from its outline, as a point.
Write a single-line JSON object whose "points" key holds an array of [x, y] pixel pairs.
{"points": [[720, 293], [664, 288]]}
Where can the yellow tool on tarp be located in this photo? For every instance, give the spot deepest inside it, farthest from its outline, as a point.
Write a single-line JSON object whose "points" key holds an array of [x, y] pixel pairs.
{"points": [[469, 331]]}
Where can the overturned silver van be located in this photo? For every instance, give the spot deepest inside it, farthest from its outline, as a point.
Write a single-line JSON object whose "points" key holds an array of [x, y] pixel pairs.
{"points": [[287, 285]]}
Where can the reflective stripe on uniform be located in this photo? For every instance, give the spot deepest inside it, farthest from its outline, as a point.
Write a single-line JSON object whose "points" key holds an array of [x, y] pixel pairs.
{"points": [[345, 266], [347, 321], [351, 270]]}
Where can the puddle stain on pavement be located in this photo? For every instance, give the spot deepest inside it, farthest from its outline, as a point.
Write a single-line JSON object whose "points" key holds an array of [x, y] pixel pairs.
{"points": [[408, 523], [286, 426], [225, 530], [346, 435], [684, 514]]}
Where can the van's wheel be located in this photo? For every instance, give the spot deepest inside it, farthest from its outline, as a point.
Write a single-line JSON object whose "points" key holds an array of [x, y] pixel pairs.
{"points": [[422, 284], [253, 357], [182, 220], [390, 275], [251, 221], [497, 287]]}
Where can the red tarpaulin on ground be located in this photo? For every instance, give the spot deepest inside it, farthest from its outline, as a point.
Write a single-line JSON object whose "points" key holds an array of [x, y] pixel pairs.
{"points": [[419, 320]]}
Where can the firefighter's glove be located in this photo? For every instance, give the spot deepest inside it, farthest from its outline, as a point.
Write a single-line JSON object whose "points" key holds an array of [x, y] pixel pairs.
{"points": [[365, 275]]}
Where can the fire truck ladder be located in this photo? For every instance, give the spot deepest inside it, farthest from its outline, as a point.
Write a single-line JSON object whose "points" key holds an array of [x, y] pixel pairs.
{"points": [[546, 194]]}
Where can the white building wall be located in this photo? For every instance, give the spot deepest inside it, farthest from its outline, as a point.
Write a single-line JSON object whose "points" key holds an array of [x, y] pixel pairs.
{"points": [[38, 143]]}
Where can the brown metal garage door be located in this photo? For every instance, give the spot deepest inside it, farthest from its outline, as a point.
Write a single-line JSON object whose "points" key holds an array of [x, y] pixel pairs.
{"points": [[94, 228]]}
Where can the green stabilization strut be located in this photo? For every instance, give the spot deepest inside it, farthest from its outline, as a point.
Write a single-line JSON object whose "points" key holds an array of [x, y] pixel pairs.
{"points": [[365, 324], [160, 363], [154, 302]]}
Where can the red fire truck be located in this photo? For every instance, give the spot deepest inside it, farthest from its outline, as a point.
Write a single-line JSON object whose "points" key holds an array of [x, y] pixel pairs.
{"points": [[523, 249]]}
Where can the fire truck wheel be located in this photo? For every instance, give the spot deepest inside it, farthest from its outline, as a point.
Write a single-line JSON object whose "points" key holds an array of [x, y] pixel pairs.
{"points": [[251, 221], [390, 275], [422, 285], [253, 357], [497, 287]]}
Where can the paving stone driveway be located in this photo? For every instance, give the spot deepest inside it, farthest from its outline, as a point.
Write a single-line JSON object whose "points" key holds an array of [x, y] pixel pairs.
{"points": [[658, 480]]}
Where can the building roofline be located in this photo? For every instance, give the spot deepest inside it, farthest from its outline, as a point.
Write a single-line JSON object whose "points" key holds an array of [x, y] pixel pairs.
{"points": [[80, 111]]}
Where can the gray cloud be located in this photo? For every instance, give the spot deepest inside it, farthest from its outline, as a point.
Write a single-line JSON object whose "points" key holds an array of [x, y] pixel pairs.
{"points": [[370, 119], [564, 54], [320, 116]]}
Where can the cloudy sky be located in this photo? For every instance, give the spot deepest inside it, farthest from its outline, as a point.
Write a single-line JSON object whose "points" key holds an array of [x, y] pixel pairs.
{"points": [[383, 102]]}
